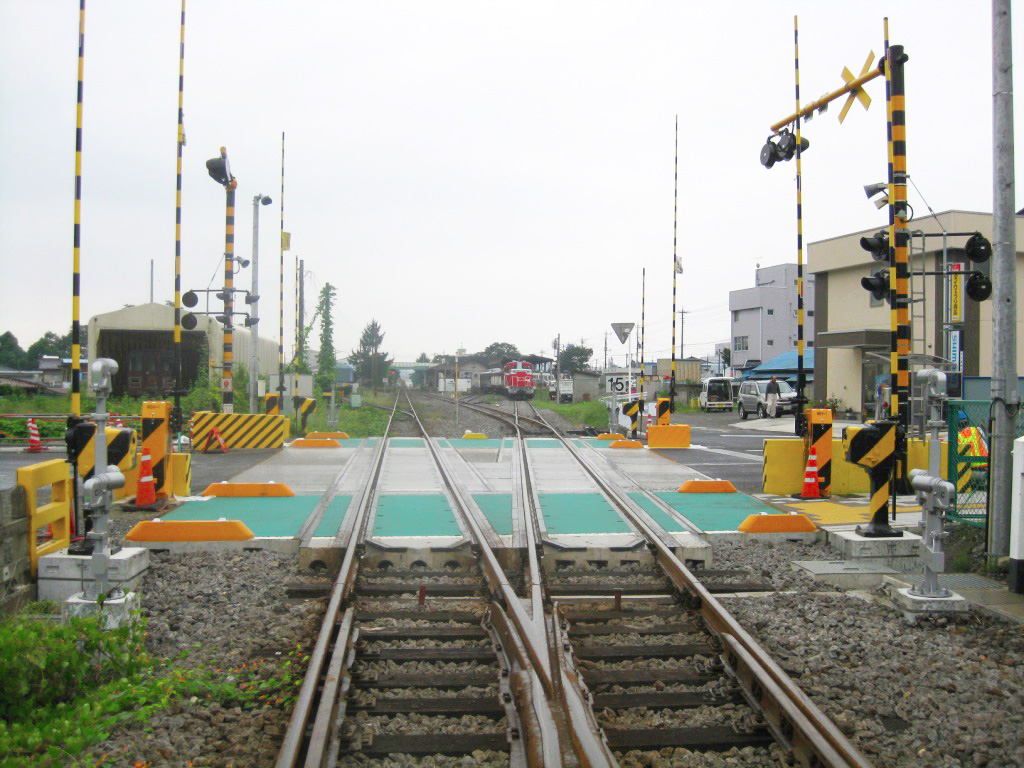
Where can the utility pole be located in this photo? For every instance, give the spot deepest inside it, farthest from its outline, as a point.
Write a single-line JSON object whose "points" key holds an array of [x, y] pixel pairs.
{"points": [[1005, 400], [605, 351]]}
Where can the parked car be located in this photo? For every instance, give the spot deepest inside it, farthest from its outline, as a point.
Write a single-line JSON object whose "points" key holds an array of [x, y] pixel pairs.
{"points": [[716, 394], [754, 398]]}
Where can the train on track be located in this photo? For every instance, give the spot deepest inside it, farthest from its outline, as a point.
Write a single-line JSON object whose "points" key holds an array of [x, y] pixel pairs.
{"points": [[515, 380]]}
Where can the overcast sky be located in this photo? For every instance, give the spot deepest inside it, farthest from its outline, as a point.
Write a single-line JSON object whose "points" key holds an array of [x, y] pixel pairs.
{"points": [[465, 172]]}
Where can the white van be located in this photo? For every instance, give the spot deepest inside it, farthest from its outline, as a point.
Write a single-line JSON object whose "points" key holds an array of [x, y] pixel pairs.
{"points": [[716, 394]]}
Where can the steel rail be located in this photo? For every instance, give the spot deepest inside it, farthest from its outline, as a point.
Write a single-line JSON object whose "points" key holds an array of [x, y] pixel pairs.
{"points": [[525, 629], [291, 746], [795, 720]]}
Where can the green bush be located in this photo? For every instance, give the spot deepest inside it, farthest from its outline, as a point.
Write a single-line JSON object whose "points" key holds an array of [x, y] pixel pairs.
{"points": [[593, 414], [43, 664]]}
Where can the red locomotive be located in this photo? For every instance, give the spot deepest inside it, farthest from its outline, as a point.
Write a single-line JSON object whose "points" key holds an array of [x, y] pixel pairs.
{"points": [[518, 377]]}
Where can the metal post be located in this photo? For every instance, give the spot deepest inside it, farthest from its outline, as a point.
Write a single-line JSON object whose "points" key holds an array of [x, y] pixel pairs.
{"points": [[800, 422], [285, 244], [176, 419], [675, 270], [1004, 282], [229, 288], [254, 300]]}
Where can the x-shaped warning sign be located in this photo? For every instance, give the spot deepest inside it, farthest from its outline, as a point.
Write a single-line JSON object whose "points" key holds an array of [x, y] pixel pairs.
{"points": [[858, 93]]}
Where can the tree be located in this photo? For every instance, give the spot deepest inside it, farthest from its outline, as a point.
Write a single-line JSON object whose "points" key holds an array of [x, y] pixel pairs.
{"points": [[240, 383], [11, 353], [326, 360], [499, 351], [370, 363], [49, 344], [575, 358], [726, 356], [423, 358]]}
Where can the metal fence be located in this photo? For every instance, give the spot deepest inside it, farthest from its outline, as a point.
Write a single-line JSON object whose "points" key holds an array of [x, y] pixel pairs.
{"points": [[969, 435]]}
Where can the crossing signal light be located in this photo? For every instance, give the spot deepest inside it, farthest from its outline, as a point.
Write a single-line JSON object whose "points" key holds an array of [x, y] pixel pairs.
{"points": [[878, 284], [189, 298], [219, 169], [877, 245], [979, 285], [189, 322], [783, 148]]}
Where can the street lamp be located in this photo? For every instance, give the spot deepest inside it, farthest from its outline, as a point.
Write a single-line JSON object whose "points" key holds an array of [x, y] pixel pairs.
{"points": [[220, 172], [254, 299]]}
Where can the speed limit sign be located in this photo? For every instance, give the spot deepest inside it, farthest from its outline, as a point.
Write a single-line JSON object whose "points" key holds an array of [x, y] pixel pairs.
{"points": [[617, 384]]}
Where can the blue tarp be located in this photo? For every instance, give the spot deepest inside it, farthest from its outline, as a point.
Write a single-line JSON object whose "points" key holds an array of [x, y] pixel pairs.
{"points": [[784, 365]]}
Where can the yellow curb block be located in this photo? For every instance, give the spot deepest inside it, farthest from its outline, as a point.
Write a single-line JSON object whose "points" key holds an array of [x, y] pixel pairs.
{"points": [[777, 524], [190, 530], [707, 486], [609, 436], [668, 436], [474, 436], [327, 435], [305, 442], [247, 489], [626, 444]]}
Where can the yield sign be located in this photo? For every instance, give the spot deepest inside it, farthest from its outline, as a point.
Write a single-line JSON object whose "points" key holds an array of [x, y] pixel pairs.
{"points": [[622, 330]]}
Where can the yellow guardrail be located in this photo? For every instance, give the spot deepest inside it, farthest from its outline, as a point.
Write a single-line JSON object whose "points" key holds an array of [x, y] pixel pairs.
{"points": [[57, 513]]}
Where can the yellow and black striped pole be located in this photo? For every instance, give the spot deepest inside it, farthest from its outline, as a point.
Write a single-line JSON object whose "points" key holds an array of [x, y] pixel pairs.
{"points": [[643, 297], [801, 381], [176, 420], [285, 245], [298, 341], [675, 269], [899, 240], [76, 283]]}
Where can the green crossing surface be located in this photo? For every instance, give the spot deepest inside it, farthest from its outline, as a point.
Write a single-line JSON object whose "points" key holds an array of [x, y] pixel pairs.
{"points": [[582, 442], [405, 442], [265, 516], [580, 513], [715, 511], [543, 442], [497, 508], [463, 442], [415, 515], [333, 515], [660, 516]]}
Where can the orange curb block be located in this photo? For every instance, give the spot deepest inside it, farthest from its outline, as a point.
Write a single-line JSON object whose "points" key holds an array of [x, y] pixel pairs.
{"points": [[707, 486], [305, 442], [777, 524], [668, 436], [247, 489], [609, 436], [327, 435], [626, 444], [190, 530]]}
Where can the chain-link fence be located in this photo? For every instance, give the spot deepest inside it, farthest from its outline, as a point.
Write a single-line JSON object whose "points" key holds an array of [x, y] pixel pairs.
{"points": [[969, 435]]}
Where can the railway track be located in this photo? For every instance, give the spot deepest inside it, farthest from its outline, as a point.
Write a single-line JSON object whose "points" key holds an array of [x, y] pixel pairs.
{"points": [[577, 665]]}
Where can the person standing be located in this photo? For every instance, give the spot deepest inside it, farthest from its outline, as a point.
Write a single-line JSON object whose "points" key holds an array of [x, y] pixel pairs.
{"points": [[772, 396]]}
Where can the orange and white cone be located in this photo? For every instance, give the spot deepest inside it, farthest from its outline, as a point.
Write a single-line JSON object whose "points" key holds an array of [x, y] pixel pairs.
{"points": [[145, 494], [810, 489], [35, 445]]}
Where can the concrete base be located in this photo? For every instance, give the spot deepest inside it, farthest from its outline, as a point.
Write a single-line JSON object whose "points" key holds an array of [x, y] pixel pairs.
{"points": [[115, 612], [914, 606], [899, 553], [285, 545], [410, 551], [62, 575], [692, 549], [842, 573]]}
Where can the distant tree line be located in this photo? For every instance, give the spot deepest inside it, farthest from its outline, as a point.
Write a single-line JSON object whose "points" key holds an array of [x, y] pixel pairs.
{"points": [[13, 356]]}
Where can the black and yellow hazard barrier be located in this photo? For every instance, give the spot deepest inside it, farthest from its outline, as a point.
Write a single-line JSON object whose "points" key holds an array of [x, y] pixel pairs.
{"points": [[273, 404], [56, 513], [819, 437], [241, 431], [873, 446], [121, 443], [664, 411], [156, 443], [632, 409], [304, 406]]}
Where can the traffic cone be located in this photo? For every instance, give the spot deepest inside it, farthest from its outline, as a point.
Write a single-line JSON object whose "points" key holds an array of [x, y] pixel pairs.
{"points": [[810, 489], [117, 422], [145, 494], [35, 445]]}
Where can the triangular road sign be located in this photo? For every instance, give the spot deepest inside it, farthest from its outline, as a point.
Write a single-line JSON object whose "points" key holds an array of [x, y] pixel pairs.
{"points": [[622, 330]]}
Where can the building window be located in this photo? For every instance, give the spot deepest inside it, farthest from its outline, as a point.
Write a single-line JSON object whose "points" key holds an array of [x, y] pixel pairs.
{"points": [[735, 315], [810, 313], [739, 344], [770, 342], [810, 343], [771, 311]]}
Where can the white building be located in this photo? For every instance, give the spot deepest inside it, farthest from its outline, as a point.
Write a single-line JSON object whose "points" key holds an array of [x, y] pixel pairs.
{"points": [[764, 318]]}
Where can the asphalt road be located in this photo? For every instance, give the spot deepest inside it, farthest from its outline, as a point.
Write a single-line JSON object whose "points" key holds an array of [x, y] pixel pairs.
{"points": [[725, 447]]}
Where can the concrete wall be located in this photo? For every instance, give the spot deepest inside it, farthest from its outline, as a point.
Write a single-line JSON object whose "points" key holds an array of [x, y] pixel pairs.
{"points": [[14, 559]]}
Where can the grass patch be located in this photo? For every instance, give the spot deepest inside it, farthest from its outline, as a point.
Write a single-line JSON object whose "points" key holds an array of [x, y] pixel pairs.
{"points": [[67, 686], [593, 414]]}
